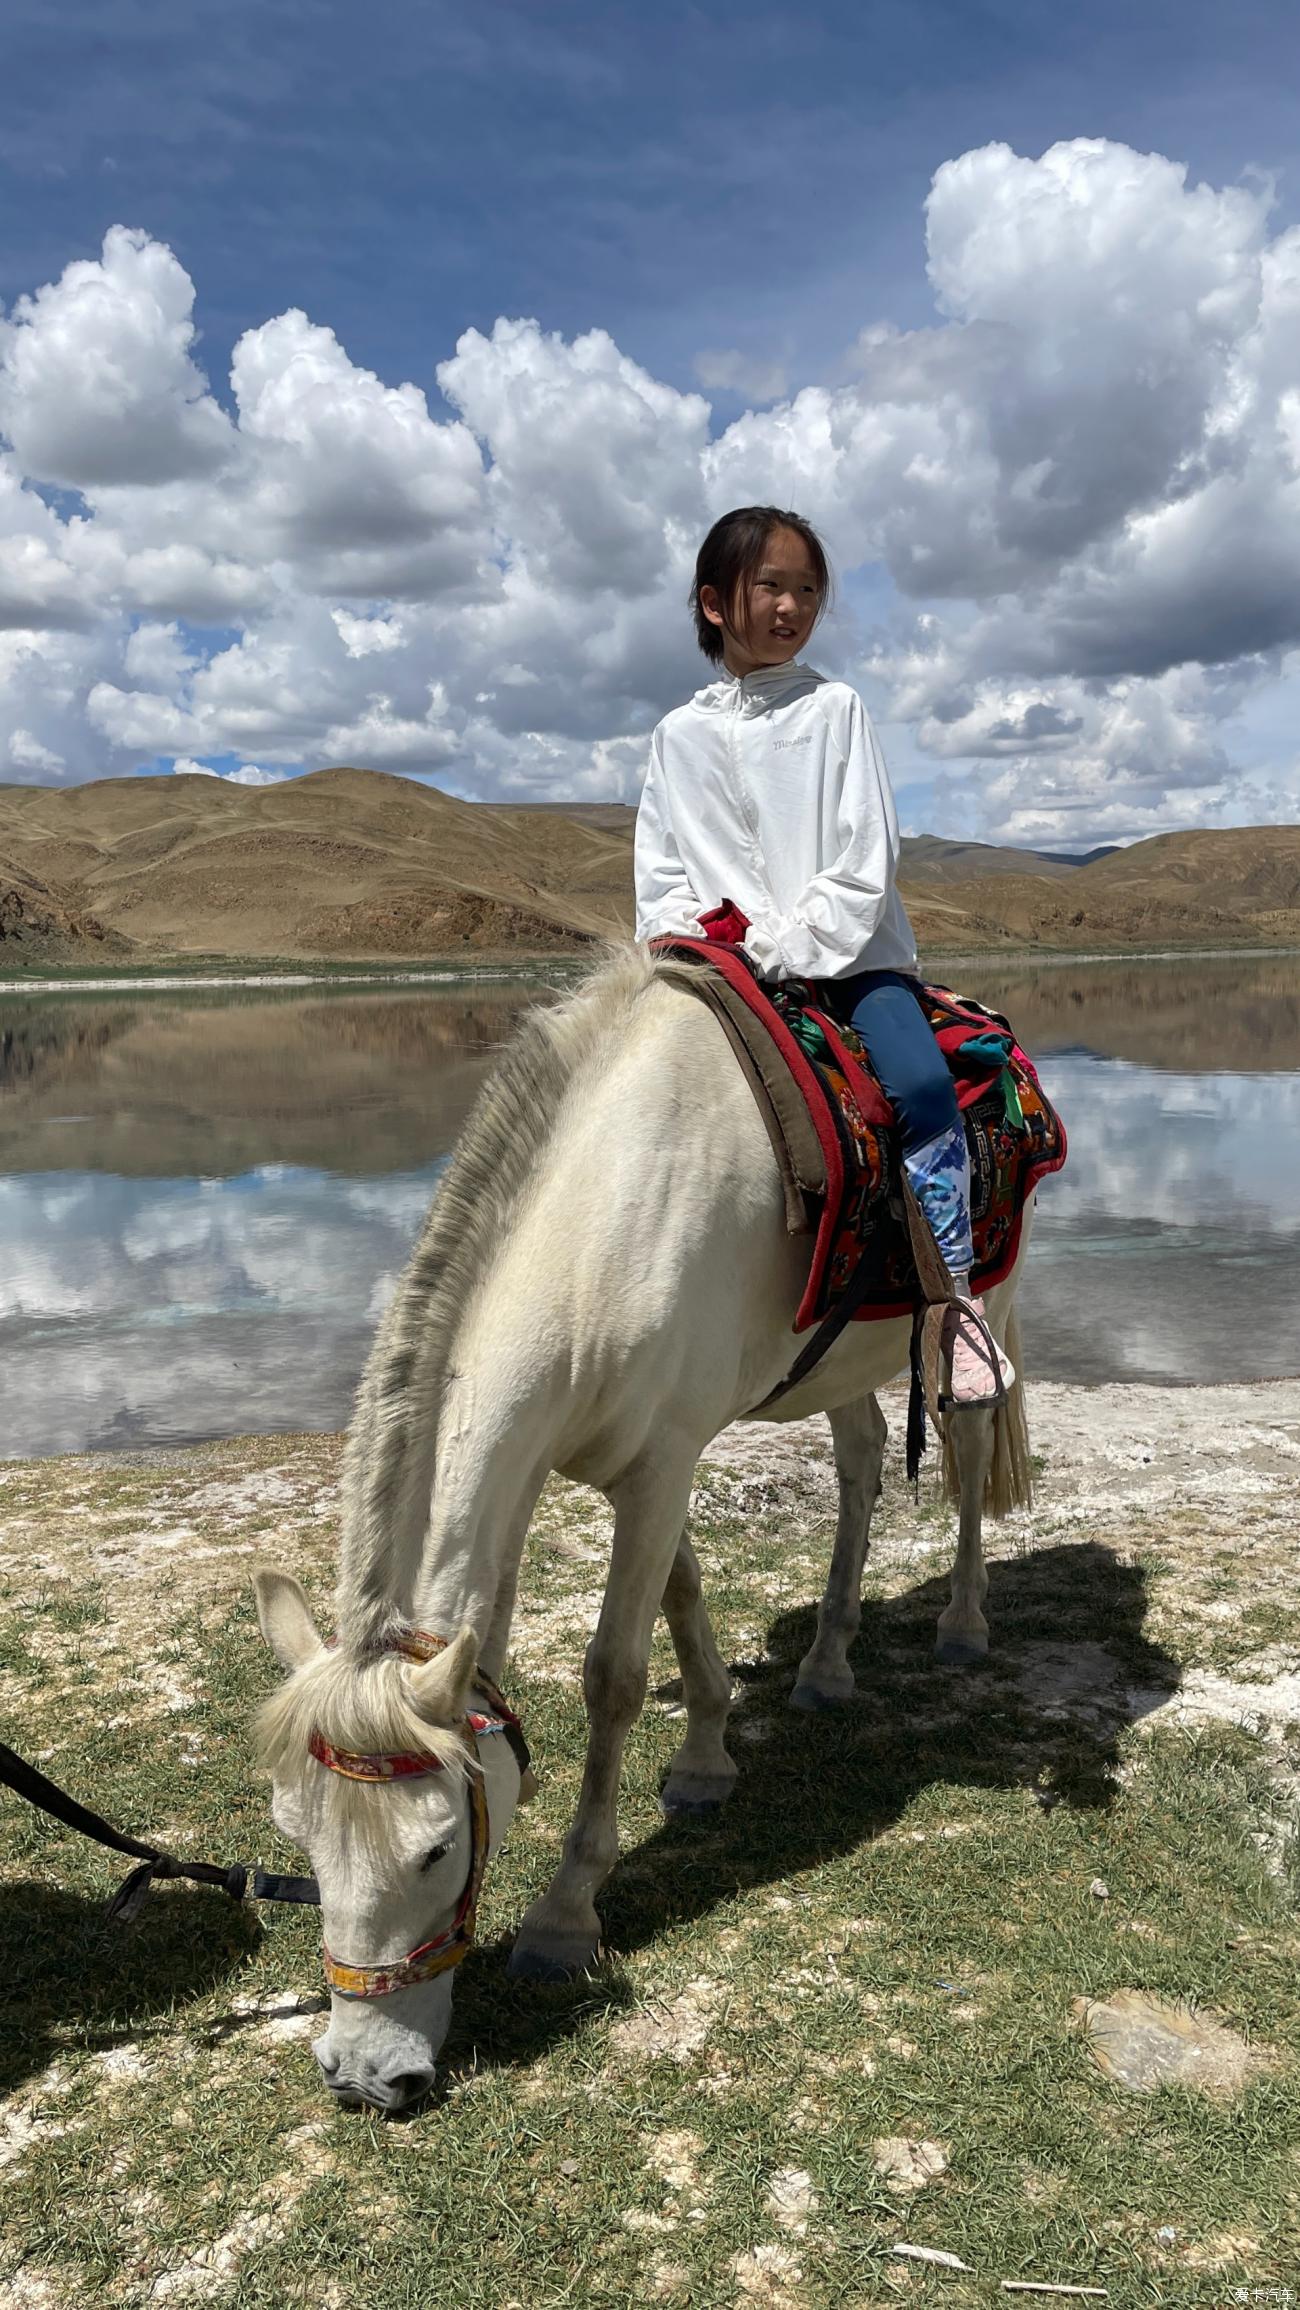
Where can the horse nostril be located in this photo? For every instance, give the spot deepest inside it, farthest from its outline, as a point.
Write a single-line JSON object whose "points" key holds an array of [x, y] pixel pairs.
{"points": [[409, 2084], [328, 2060]]}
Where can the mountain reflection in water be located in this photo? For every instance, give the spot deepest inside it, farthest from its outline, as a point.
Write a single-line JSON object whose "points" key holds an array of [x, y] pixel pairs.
{"points": [[1197, 1014], [205, 1198]]}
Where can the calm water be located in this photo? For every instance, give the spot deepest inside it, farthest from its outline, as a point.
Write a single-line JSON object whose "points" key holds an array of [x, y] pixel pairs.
{"points": [[204, 1198]]}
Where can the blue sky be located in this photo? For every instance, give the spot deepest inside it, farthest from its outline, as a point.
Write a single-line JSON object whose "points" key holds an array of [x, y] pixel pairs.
{"points": [[731, 196], [676, 175]]}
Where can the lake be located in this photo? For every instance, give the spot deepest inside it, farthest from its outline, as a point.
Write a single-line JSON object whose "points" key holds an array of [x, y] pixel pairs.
{"points": [[205, 1195]]}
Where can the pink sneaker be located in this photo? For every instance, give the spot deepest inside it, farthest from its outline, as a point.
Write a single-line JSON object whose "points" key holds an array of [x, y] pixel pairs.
{"points": [[978, 1371]]}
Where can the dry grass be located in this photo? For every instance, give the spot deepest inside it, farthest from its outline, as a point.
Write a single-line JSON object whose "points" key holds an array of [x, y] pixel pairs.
{"points": [[836, 2018]]}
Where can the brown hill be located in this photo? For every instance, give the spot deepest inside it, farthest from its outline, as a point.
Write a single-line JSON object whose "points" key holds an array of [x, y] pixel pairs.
{"points": [[40, 924], [1232, 887], [926, 857], [359, 865], [342, 862], [929, 858]]}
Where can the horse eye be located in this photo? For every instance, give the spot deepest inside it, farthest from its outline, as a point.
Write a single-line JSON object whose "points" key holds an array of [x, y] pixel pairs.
{"points": [[435, 1853]]}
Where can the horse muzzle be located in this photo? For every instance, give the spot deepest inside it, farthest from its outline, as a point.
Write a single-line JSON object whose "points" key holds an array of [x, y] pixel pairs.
{"points": [[358, 2083]]}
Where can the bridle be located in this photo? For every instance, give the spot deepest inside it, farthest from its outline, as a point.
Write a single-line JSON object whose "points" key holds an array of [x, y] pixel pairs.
{"points": [[155, 1863], [448, 1948]]}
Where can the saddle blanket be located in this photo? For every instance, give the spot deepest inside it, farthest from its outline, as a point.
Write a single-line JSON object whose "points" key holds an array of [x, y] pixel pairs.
{"points": [[837, 1140]]}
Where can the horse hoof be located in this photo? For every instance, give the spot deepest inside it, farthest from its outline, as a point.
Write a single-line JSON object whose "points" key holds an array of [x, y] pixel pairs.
{"points": [[691, 1801], [956, 1652], [815, 1702], [556, 1963]]}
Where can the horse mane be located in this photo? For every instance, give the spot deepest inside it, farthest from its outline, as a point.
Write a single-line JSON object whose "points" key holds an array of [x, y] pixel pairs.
{"points": [[365, 1706], [391, 1452]]}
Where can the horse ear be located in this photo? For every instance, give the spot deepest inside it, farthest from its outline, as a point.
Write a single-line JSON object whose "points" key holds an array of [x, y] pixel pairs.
{"points": [[284, 1617], [440, 1687]]}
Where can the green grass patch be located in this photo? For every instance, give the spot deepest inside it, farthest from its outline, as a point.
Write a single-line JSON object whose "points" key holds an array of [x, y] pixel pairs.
{"points": [[881, 1940]]}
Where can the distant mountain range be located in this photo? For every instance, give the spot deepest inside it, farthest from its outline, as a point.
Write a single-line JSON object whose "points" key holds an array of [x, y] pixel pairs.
{"points": [[353, 865]]}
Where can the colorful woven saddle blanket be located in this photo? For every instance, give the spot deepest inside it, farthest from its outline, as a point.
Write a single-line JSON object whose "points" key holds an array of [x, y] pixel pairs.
{"points": [[837, 1140]]}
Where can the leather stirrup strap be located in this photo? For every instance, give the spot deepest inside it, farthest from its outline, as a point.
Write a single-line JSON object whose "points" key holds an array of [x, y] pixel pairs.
{"points": [[938, 1291], [937, 1286]]}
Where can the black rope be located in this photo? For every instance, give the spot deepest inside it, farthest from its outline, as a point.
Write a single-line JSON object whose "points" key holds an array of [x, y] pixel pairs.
{"points": [[154, 1862]]}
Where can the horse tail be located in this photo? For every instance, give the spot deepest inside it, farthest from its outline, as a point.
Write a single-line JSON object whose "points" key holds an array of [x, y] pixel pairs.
{"points": [[1010, 1481]]}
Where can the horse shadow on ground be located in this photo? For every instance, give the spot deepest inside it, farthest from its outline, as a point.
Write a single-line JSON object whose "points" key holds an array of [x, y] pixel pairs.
{"points": [[1069, 1668], [76, 1981]]}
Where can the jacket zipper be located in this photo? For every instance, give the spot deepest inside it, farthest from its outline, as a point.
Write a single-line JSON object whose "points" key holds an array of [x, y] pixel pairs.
{"points": [[744, 801]]}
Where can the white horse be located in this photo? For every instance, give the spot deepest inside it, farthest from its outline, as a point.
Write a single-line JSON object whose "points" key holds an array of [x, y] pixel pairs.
{"points": [[604, 1281]]}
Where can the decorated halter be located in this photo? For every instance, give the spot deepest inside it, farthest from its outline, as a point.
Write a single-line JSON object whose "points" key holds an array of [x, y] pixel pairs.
{"points": [[445, 1949]]}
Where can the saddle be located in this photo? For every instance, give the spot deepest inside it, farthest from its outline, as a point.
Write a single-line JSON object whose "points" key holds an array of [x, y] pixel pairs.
{"points": [[838, 1147]]}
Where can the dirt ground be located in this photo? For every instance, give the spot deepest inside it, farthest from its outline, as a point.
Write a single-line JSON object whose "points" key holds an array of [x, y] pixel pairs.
{"points": [[1198, 1483], [839, 2028]]}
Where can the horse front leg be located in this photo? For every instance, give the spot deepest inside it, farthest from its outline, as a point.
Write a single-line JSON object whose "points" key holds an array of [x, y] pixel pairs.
{"points": [[702, 1775], [560, 1933], [963, 1631], [825, 1679]]}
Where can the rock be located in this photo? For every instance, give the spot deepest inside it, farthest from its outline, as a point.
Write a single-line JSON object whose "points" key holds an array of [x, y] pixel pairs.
{"points": [[1144, 2042], [907, 2165]]}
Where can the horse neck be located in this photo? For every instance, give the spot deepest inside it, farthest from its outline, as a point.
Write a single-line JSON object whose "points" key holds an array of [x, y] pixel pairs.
{"points": [[494, 1362], [396, 1447], [477, 1523]]}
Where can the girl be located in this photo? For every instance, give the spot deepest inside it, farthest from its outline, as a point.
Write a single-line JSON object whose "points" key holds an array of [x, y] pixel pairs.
{"points": [[768, 788]]}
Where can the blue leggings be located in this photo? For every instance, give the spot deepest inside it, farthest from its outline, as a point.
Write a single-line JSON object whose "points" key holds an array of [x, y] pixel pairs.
{"points": [[885, 1009]]}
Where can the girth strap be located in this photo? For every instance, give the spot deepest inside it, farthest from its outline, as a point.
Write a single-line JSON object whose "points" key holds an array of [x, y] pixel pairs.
{"points": [[856, 1292]]}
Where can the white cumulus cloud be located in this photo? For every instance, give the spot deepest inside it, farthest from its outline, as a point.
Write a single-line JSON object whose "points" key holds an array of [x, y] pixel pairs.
{"points": [[1075, 493]]}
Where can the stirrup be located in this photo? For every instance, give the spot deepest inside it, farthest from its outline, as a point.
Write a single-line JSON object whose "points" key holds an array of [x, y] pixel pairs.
{"points": [[951, 1315]]}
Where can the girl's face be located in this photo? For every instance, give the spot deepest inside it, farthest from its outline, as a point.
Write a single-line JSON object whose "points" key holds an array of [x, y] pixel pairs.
{"points": [[775, 608]]}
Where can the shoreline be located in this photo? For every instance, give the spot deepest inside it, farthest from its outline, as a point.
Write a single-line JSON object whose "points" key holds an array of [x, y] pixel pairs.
{"points": [[451, 970], [1096, 1409], [172, 982]]}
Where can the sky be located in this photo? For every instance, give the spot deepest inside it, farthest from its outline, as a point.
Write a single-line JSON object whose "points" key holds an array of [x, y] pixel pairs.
{"points": [[368, 378]]}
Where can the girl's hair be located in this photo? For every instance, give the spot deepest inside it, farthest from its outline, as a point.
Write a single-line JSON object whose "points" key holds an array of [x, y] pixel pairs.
{"points": [[731, 553]]}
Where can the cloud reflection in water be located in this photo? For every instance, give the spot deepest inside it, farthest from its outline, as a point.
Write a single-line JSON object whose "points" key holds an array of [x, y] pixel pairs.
{"points": [[143, 1309], [1169, 1247], [137, 1310]]}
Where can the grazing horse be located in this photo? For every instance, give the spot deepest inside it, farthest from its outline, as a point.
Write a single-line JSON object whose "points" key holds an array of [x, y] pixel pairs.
{"points": [[603, 1282]]}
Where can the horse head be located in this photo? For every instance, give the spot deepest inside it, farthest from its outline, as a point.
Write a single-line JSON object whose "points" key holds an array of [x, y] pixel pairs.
{"points": [[380, 1774]]}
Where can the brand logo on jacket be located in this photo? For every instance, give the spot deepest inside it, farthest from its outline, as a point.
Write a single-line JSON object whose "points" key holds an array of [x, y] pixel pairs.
{"points": [[779, 744]]}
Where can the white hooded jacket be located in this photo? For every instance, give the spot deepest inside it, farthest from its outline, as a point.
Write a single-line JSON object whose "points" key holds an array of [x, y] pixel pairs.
{"points": [[771, 790]]}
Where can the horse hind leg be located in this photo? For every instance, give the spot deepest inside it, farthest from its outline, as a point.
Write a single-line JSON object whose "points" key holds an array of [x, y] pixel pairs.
{"points": [[702, 1775], [963, 1630], [560, 1934], [825, 1679]]}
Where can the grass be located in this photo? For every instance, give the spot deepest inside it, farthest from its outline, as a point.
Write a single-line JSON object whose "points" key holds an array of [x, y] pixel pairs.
{"points": [[880, 1940]]}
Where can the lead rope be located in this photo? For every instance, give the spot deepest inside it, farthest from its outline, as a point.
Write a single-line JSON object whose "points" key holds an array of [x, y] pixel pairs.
{"points": [[155, 1863]]}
